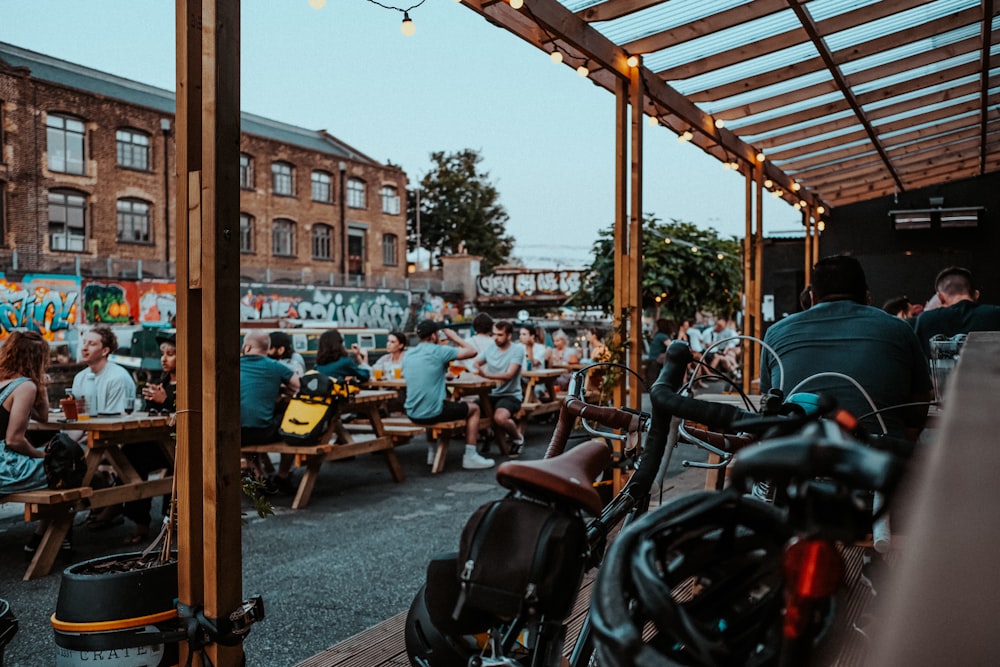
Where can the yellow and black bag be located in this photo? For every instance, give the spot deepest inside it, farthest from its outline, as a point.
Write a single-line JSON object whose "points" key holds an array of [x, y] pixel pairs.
{"points": [[309, 412]]}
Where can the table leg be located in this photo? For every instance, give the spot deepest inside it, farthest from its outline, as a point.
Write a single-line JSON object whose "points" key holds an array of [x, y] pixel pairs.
{"points": [[48, 549]]}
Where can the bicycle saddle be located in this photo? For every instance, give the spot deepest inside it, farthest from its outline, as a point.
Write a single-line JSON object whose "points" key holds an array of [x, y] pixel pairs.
{"points": [[569, 476]]}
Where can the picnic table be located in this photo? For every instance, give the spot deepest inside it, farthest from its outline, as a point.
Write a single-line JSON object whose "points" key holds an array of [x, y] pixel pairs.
{"points": [[105, 435], [341, 443], [542, 377]]}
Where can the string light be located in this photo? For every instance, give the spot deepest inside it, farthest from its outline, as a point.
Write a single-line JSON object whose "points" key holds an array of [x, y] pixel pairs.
{"points": [[820, 225], [719, 123], [802, 203], [777, 193], [798, 206], [633, 61], [583, 70], [685, 136], [821, 209], [317, 4], [516, 4], [768, 183], [760, 156], [720, 255], [408, 28], [653, 120], [796, 187], [556, 56]]}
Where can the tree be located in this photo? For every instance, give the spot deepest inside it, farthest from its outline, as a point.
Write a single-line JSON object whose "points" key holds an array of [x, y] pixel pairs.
{"points": [[684, 269], [459, 208]]}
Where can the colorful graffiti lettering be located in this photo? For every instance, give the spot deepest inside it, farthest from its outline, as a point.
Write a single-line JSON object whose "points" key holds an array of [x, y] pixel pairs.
{"points": [[36, 306], [388, 310], [526, 284]]}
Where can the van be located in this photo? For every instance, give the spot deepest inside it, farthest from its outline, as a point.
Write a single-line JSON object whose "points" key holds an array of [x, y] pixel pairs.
{"points": [[305, 340]]}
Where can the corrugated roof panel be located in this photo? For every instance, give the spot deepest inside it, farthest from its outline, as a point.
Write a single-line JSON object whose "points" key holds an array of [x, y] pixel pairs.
{"points": [[820, 10], [896, 23], [910, 49], [767, 92], [824, 151], [927, 109], [916, 72], [972, 116], [578, 5], [661, 17], [723, 40], [789, 109], [913, 95], [744, 70], [824, 136], [754, 138]]}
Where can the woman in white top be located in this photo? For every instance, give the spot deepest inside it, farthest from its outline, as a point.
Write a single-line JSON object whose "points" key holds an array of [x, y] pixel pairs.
{"points": [[393, 358], [535, 353]]}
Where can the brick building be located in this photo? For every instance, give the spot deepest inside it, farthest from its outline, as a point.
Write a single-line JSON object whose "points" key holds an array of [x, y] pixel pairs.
{"points": [[87, 169]]}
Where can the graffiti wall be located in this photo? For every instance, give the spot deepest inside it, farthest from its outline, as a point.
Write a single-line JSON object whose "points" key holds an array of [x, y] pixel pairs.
{"points": [[40, 302], [345, 308], [529, 284]]}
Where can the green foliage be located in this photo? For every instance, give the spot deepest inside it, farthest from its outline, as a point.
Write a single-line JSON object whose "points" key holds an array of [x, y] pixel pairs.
{"points": [[459, 205], [684, 279]]}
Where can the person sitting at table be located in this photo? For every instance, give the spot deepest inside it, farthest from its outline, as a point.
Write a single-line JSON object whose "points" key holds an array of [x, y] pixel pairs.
{"points": [[503, 361], [262, 382], [598, 350], [664, 331], [960, 311], [23, 396], [536, 354], [426, 395], [333, 359], [387, 364], [281, 349], [161, 396], [562, 356], [482, 337]]}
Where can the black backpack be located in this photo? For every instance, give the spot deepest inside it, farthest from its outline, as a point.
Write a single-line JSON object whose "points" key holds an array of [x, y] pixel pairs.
{"points": [[64, 462], [309, 412]]}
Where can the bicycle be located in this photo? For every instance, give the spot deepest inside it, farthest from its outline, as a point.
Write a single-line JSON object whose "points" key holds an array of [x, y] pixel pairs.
{"points": [[725, 578]]}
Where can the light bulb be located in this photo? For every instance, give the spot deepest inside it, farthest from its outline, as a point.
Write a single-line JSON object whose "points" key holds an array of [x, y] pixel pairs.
{"points": [[583, 71], [776, 194], [721, 256], [795, 187], [516, 4], [798, 206], [668, 241], [820, 210], [633, 61], [768, 183], [686, 135], [317, 4], [408, 28], [556, 57], [719, 123], [802, 203], [694, 249], [653, 120], [761, 157], [820, 225]]}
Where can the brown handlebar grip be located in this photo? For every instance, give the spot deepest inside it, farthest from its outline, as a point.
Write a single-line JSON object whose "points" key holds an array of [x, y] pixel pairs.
{"points": [[573, 408]]}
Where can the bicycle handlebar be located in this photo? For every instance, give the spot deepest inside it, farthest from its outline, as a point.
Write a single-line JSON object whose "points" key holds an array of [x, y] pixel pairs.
{"points": [[616, 418]]}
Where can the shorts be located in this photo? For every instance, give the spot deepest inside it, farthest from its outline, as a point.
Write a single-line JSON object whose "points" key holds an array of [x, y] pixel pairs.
{"points": [[450, 411], [509, 403]]}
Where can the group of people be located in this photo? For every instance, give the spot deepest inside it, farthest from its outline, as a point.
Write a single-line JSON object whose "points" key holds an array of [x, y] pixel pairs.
{"points": [[110, 389], [715, 344]]}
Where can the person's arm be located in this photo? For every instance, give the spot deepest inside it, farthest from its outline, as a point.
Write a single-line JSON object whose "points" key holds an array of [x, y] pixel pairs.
{"points": [[22, 402], [40, 407], [465, 349]]}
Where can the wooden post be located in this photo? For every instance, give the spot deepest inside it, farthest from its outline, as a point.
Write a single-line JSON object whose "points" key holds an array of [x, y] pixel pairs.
{"points": [[621, 287], [750, 290], [807, 245], [208, 468], [635, 246]]}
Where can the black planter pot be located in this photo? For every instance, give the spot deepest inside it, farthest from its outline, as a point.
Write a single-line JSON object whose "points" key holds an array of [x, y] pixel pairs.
{"points": [[114, 618]]}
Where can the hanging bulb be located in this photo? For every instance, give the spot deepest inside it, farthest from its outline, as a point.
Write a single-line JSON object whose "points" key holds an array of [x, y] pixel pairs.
{"points": [[795, 187], [820, 210], [719, 123], [761, 157], [317, 4], [583, 71], [798, 206], [408, 28], [820, 225], [556, 56], [633, 61], [768, 183], [653, 120], [516, 4], [685, 136]]}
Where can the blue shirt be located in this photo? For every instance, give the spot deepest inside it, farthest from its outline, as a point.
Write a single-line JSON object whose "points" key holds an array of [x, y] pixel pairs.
{"points": [[344, 367], [260, 384], [865, 343], [424, 369], [962, 317]]}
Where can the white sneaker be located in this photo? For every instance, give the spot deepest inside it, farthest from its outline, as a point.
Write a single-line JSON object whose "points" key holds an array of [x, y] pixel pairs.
{"points": [[473, 461], [431, 451]]}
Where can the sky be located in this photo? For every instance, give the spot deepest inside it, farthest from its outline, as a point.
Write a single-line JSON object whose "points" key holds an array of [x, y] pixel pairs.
{"points": [[546, 134]]}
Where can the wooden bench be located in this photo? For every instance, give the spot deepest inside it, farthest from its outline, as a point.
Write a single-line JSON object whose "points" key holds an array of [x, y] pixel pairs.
{"points": [[439, 432], [56, 506], [400, 433]]}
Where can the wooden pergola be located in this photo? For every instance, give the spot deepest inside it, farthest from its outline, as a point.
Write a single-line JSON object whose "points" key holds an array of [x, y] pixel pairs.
{"points": [[823, 103]]}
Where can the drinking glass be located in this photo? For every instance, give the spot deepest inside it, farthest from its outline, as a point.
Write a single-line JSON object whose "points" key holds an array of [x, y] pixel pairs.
{"points": [[397, 372], [377, 372]]}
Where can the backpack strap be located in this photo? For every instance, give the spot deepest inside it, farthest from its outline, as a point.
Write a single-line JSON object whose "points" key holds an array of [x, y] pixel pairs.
{"points": [[11, 386]]}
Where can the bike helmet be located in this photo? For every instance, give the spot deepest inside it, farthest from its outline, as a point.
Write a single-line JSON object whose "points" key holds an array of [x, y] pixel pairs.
{"points": [[695, 582]]}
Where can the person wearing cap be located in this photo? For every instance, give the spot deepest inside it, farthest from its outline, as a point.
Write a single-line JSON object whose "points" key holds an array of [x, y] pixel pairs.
{"points": [[161, 396], [424, 368], [842, 333], [960, 311]]}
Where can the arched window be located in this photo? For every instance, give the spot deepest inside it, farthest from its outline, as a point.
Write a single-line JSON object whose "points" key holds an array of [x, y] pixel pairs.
{"points": [[322, 187], [246, 171], [283, 178], [356, 197], [390, 200], [67, 220], [246, 233], [283, 238], [322, 241], [133, 149], [65, 143], [134, 225]]}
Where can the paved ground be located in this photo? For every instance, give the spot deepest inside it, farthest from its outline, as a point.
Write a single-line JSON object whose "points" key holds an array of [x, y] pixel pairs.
{"points": [[351, 559]]}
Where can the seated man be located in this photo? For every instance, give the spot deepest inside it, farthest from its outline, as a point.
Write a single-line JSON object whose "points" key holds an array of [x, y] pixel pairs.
{"points": [[426, 395], [960, 310], [503, 361], [842, 333], [262, 383]]}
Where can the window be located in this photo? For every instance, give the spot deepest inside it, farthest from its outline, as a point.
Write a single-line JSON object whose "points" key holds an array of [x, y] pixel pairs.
{"points": [[322, 241], [67, 220], [133, 221], [65, 144], [390, 200], [133, 149], [283, 179], [246, 233], [283, 238], [322, 187], [246, 172], [390, 255], [356, 193], [356, 252]]}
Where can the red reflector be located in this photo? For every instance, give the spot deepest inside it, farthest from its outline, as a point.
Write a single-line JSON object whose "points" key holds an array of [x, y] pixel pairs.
{"points": [[813, 569], [846, 420]]}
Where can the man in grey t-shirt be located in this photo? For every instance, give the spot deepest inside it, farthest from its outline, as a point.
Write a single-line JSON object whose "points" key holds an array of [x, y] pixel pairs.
{"points": [[502, 361]]}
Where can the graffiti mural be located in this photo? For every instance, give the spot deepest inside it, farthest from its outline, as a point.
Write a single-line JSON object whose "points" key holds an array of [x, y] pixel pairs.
{"points": [[157, 301], [529, 284], [40, 302], [109, 303], [379, 310]]}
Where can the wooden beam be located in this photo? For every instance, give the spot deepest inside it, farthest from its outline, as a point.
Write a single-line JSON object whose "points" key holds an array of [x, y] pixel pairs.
{"points": [[637, 102], [614, 9], [986, 31]]}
